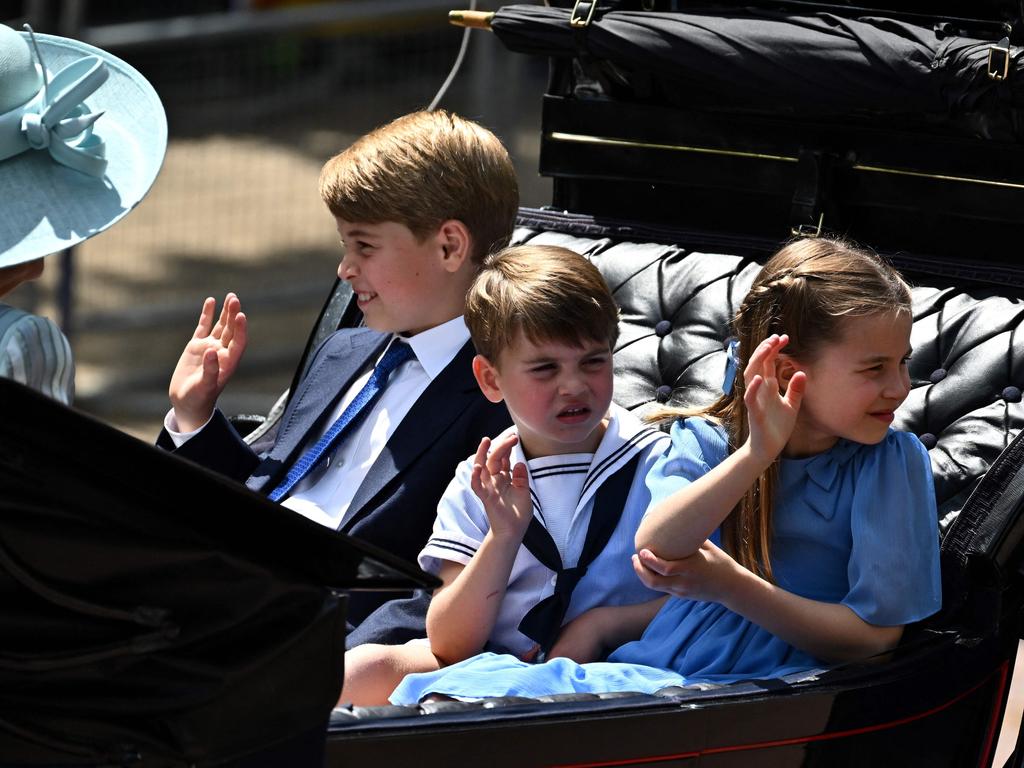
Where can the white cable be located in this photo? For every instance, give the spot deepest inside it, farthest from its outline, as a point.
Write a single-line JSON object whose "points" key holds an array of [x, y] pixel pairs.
{"points": [[458, 64]]}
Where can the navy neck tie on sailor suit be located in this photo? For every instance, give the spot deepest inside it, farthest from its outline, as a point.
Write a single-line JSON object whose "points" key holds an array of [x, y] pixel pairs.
{"points": [[543, 622], [396, 354]]}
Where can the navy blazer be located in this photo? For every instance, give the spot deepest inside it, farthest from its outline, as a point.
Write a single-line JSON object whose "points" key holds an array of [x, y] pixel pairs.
{"points": [[395, 506]]}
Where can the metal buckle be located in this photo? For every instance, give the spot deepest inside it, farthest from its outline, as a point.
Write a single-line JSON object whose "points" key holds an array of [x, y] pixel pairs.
{"points": [[1003, 49], [582, 13], [808, 230]]}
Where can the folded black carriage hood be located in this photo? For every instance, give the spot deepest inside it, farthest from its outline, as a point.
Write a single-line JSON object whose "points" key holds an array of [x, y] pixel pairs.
{"points": [[790, 60], [154, 610]]}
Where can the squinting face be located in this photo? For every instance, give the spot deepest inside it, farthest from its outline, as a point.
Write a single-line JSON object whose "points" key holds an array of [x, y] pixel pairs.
{"points": [[401, 285], [854, 385], [558, 394]]}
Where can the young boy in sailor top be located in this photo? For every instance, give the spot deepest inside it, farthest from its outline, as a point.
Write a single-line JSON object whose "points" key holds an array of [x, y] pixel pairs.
{"points": [[533, 539]]}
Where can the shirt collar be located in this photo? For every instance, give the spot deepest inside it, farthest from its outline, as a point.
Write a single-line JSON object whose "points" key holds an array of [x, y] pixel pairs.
{"points": [[824, 468], [438, 346]]}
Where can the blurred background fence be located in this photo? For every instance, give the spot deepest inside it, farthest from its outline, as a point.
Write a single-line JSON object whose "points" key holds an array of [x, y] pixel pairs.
{"points": [[258, 95]]}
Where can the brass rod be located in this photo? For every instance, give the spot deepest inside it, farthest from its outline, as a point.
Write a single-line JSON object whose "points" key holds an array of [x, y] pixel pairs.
{"points": [[582, 139], [605, 141], [471, 19], [941, 176]]}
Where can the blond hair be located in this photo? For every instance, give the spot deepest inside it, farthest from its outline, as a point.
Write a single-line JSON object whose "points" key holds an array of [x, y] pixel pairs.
{"points": [[805, 290], [548, 292], [423, 169]]}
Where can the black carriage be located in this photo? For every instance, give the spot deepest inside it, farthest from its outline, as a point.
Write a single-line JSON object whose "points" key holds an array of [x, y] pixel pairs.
{"points": [[679, 165]]}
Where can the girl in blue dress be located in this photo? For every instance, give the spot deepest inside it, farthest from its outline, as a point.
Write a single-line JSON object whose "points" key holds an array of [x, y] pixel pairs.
{"points": [[807, 534]]}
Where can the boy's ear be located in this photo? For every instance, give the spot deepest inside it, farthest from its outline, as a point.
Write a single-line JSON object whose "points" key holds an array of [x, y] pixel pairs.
{"points": [[456, 244], [487, 377]]}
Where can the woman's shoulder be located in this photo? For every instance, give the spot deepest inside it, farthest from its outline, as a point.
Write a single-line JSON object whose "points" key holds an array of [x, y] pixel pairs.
{"points": [[14, 321], [11, 316]]}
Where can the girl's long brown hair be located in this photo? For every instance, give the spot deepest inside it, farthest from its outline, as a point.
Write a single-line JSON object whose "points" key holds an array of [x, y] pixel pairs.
{"points": [[804, 290]]}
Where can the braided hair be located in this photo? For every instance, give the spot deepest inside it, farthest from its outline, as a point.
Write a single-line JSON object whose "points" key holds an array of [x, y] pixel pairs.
{"points": [[805, 290]]}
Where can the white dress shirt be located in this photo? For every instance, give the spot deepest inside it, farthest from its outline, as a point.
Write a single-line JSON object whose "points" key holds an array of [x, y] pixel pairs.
{"points": [[326, 493]]}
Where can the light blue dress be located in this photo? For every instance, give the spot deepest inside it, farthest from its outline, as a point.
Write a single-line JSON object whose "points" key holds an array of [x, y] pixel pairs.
{"points": [[855, 525]]}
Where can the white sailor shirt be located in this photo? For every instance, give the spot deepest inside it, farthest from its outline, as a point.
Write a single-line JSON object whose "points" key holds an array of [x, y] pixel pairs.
{"points": [[461, 525]]}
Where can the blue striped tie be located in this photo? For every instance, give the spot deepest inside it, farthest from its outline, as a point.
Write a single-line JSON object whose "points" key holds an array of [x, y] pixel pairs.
{"points": [[397, 354]]}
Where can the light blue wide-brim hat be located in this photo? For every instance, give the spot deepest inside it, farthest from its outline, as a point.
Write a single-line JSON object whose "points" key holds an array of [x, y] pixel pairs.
{"points": [[78, 149]]}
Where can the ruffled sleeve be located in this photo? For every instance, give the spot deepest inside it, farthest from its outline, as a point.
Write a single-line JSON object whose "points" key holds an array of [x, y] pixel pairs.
{"points": [[894, 563], [697, 446]]}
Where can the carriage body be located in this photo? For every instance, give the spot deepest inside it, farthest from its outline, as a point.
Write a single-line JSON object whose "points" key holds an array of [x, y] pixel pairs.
{"points": [[677, 197]]}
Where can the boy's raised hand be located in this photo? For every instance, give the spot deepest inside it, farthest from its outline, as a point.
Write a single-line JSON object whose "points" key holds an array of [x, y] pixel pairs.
{"points": [[503, 490], [208, 361], [771, 414]]}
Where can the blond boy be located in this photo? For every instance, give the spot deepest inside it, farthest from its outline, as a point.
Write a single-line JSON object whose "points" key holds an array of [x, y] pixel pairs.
{"points": [[417, 203]]}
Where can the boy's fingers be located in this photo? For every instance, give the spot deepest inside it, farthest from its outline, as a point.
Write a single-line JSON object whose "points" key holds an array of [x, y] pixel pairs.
{"points": [[239, 335], [520, 477], [228, 310], [481, 452], [475, 481], [234, 318], [205, 318], [211, 367], [497, 459]]}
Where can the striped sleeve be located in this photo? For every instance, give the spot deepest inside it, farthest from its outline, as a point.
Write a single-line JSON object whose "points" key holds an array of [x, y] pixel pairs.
{"points": [[34, 352]]}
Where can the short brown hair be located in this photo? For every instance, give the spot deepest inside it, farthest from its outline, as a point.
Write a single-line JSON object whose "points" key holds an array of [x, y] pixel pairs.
{"points": [[423, 169], [548, 292]]}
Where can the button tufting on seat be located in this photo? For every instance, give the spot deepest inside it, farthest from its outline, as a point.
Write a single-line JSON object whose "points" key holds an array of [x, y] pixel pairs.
{"points": [[663, 393], [663, 328], [937, 375], [928, 440], [1011, 394]]}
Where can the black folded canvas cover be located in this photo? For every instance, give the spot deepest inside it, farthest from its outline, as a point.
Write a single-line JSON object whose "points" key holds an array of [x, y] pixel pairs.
{"points": [[794, 60], [154, 610], [903, 131]]}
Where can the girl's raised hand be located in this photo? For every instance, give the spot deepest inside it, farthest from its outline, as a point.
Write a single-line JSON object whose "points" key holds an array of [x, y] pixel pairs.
{"points": [[503, 490], [770, 414]]}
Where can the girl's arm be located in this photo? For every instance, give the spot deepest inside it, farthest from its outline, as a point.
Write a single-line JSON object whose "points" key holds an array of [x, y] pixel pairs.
{"points": [[464, 609], [593, 633], [678, 525], [828, 631]]}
